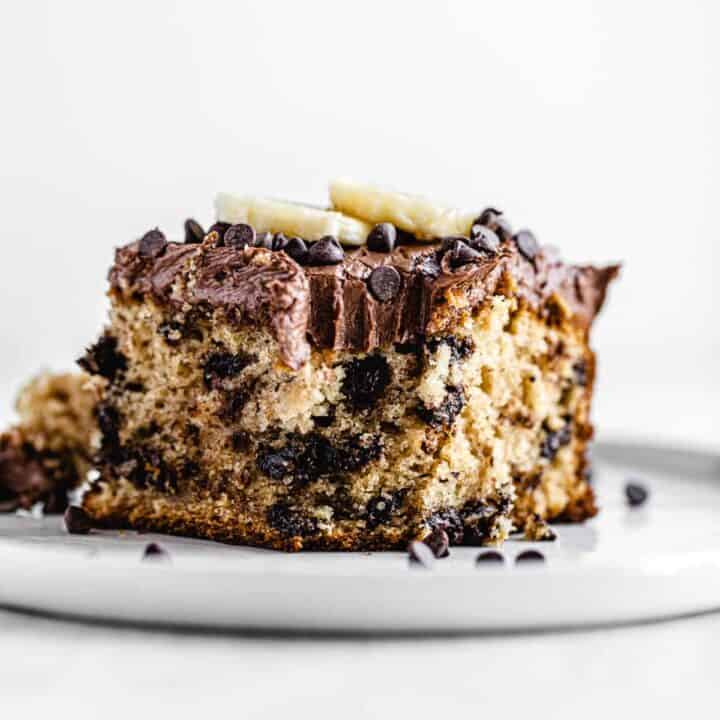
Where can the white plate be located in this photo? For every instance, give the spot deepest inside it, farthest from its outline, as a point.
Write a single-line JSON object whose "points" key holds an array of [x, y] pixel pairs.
{"points": [[626, 565]]}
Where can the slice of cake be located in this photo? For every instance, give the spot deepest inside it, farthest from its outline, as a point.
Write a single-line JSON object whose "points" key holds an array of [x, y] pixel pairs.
{"points": [[350, 378], [49, 451]]}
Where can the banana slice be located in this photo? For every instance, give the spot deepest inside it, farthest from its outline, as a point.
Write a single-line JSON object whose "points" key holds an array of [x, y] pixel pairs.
{"points": [[310, 223], [413, 214]]}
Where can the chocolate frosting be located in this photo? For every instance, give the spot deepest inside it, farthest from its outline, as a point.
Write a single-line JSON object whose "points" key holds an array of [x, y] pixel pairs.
{"points": [[331, 306]]}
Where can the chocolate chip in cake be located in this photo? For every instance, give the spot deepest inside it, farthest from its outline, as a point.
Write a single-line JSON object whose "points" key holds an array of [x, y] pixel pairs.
{"points": [[420, 554], [382, 238], [527, 244], [297, 250], [450, 522], [477, 521], [444, 415], [171, 331], [264, 240], [276, 463], [220, 366], [289, 522], [235, 401], [384, 283], [365, 380], [580, 371], [108, 420], [239, 236], [77, 521], [152, 244], [155, 552], [219, 228], [460, 347], [636, 494], [326, 251], [554, 440], [380, 509], [279, 241], [325, 421], [438, 542], [490, 557], [103, 358], [484, 240], [194, 232], [529, 556], [240, 441]]}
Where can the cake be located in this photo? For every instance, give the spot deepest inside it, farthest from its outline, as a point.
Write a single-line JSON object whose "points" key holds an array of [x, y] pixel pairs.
{"points": [[49, 451], [350, 378]]}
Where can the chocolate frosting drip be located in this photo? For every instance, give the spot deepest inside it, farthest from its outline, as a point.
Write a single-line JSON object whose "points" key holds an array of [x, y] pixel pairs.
{"points": [[332, 307]]}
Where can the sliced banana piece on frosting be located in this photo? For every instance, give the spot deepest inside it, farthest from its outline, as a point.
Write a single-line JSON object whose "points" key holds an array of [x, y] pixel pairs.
{"points": [[411, 213], [310, 223]]}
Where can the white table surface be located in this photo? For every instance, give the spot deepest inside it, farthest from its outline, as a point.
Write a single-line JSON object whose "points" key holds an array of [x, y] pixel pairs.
{"points": [[55, 668]]}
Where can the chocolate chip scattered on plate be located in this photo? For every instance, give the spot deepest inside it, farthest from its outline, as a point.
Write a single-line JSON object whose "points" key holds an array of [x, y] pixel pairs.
{"points": [[77, 521], [420, 554], [439, 543], [154, 552], [636, 494], [529, 556], [490, 557]]}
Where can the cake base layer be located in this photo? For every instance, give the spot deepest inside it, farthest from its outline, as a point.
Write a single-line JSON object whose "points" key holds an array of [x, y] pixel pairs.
{"points": [[49, 451], [479, 431]]}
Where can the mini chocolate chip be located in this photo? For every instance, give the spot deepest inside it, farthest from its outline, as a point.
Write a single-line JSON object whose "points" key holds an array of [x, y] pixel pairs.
{"points": [[580, 371], [279, 241], [153, 551], [490, 557], [531, 556], [382, 238], [461, 253], [484, 240], [297, 250], [494, 220], [420, 554], [384, 283], [527, 244], [104, 359], [152, 244], [488, 217], [77, 521], [219, 228], [365, 380], [193, 232], [326, 251], [439, 542], [239, 236], [635, 494], [289, 522], [264, 240]]}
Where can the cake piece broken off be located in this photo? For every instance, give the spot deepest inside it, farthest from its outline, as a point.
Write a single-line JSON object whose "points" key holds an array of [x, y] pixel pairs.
{"points": [[49, 451], [280, 382]]}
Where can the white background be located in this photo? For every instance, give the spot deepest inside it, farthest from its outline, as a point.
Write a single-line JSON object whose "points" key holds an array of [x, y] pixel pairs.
{"points": [[593, 123]]}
